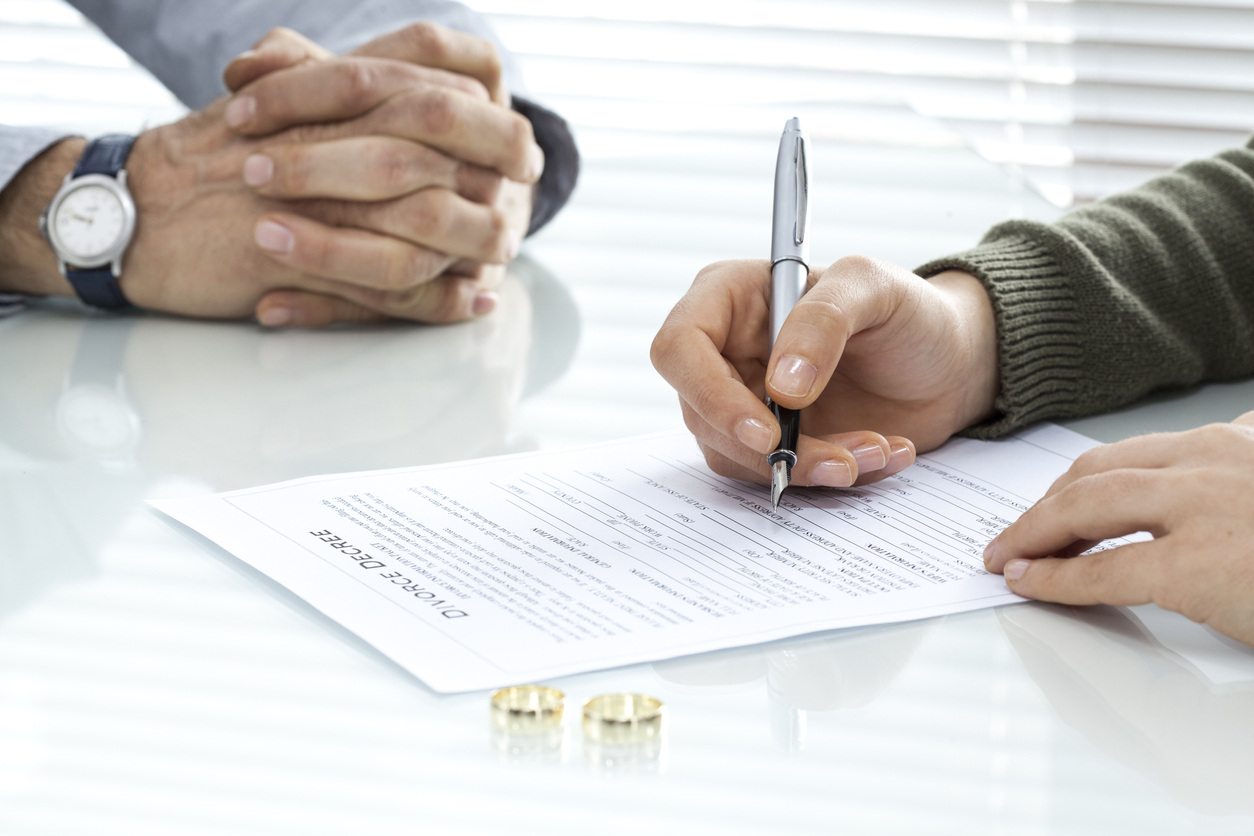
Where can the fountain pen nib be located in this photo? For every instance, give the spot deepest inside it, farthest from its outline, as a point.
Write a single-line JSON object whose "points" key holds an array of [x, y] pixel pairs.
{"points": [[779, 481]]}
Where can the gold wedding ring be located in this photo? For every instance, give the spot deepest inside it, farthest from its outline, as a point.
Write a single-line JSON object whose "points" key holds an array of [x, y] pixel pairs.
{"points": [[527, 708], [622, 718]]}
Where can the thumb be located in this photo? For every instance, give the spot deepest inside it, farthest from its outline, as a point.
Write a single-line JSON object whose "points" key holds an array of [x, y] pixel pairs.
{"points": [[853, 295], [303, 309]]}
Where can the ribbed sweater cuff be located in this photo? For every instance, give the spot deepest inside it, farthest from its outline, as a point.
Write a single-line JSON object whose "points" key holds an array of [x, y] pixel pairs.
{"points": [[1038, 330]]}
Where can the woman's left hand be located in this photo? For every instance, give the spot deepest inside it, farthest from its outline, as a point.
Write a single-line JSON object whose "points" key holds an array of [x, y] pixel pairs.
{"points": [[1193, 491]]}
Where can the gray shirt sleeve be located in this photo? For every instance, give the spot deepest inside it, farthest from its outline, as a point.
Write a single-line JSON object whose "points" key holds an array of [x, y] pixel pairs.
{"points": [[187, 45], [18, 146]]}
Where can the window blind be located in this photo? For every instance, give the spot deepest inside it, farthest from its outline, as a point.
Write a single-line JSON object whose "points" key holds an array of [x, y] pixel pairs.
{"points": [[1083, 98]]}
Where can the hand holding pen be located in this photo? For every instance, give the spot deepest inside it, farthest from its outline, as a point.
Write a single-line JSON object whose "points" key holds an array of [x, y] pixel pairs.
{"points": [[877, 360]]}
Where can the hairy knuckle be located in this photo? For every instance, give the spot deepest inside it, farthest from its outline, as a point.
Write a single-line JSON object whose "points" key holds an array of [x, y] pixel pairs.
{"points": [[498, 229], [437, 111], [429, 39], [391, 164], [426, 217], [358, 80]]}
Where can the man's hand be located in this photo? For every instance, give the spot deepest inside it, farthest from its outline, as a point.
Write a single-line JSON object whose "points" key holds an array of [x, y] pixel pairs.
{"points": [[361, 216], [466, 161], [1193, 491], [880, 360]]}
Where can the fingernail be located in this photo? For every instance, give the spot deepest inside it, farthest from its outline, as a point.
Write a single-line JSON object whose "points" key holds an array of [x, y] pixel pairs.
{"points": [[899, 457], [513, 243], [990, 552], [485, 303], [274, 237], [535, 162], [248, 53], [277, 317], [755, 435], [793, 376], [258, 169], [1015, 569], [240, 110], [869, 457], [831, 475]]}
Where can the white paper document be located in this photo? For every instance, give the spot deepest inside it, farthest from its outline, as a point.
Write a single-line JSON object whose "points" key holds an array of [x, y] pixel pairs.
{"points": [[521, 568]]}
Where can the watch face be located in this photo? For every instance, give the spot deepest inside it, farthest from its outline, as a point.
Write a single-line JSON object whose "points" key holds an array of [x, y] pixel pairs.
{"points": [[89, 222]]}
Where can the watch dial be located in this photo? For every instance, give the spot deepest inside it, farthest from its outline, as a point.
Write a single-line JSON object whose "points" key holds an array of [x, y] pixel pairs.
{"points": [[89, 221]]}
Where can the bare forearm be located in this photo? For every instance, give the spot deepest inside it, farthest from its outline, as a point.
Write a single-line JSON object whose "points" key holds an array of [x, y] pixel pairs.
{"points": [[27, 264]]}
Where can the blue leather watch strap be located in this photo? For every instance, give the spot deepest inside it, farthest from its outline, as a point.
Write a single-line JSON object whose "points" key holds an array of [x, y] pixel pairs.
{"points": [[105, 155], [98, 286]]}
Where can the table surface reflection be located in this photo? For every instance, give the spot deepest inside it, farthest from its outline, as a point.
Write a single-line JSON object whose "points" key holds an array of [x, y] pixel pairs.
{"points": [[148, 686]]}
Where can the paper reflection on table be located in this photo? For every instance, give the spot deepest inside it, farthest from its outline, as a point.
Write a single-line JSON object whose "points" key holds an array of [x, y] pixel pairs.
{"points": [[1134, 702], [97, 411]]}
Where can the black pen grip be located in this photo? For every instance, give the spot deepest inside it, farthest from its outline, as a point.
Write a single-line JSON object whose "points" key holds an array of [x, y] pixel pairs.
{"points": [[789, 431]]}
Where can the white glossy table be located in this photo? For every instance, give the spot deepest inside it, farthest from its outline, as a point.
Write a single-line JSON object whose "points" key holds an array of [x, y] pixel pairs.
{"points": [[148, 686]]}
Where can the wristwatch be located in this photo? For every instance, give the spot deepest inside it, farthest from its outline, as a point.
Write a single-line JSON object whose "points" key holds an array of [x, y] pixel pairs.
{"points": [[91, 220]]}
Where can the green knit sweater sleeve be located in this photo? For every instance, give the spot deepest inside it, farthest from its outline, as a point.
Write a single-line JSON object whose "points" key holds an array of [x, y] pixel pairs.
{"points": [[1144, 290]]}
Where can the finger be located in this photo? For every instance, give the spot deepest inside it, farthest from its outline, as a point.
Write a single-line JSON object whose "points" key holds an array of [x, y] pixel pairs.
{"points": [[476, 131], [1157, 450], [278, 49], [732, 469], [1095, 508], [901, 455], [367, 168], [435, 219], [448, 298], [830, 461], [1124, 576], [853, 295], [335, 89], [303, 309], [1246, 419], [687, 352], [432, 45], [352, 256]]}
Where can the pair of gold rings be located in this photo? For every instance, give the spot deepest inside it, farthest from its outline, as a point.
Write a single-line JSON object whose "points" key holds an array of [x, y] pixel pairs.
{"points": [[608, 718]]}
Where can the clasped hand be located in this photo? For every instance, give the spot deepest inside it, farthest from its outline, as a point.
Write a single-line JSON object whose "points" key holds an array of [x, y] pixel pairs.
{"points": [[393, 181]]}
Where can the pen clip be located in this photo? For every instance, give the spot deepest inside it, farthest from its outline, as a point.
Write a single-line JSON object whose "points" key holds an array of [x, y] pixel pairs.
{"points": [[803, 190]]}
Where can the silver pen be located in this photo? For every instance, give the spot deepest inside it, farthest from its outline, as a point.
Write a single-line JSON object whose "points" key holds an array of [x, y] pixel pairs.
{"points": [[790, 247]]}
